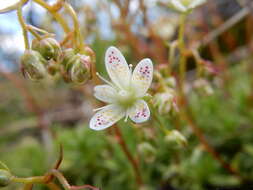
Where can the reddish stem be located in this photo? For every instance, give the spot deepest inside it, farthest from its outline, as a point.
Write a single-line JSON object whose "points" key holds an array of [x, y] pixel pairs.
{"points": [[129, 156]]}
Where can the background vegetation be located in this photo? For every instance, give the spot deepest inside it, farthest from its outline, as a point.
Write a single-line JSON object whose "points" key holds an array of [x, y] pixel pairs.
{"points": [[35, 117]]}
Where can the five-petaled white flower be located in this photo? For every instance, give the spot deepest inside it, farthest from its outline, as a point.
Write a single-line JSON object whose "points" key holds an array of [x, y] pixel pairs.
{"points": [[185, 5], [125, 93]]}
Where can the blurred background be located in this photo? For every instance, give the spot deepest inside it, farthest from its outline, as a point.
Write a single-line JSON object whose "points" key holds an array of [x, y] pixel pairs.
{"points": [[35, 117]]}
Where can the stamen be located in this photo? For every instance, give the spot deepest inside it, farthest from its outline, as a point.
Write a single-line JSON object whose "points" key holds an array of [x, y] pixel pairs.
{"points": [[131, 72], [103, 79], [131, 67]]}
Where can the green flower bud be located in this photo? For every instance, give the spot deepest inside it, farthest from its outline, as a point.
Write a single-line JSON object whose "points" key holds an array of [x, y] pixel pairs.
{"points": [[5, 178], [177, 137], [33, 65], [49, 48], [77, 67], [147, 151], [171, 82], [52, 67], [164, 101], [68, 58], [80, 71]]}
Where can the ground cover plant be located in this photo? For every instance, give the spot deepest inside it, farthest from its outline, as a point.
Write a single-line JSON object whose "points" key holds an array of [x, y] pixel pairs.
{"points": [[129, 94]]}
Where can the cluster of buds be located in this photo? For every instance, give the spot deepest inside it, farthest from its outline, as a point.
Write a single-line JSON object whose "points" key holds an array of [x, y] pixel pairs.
{"points": [[165, 101], [46, 58]]}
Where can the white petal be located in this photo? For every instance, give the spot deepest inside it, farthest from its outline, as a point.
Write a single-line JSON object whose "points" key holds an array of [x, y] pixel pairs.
{"points": [[142, 77], [8, 5], [177, 5], [105, 93], [139, 112], [106, 117], [117, 67], [196, 3]]}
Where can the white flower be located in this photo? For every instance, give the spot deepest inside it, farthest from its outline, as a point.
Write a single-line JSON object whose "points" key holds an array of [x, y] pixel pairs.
{"points": [[165, 27], [124, 94], [9, 5], [185, 5]]}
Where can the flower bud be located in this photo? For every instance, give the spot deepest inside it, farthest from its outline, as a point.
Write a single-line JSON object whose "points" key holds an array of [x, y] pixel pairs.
{"points": [[5, 178], [77, 67], [171, 81], [147, 151], [52, 67], [67, 58], [49, 48], [185, 5], [33, 65], [203, 86], [80, 71], [177, 137], [165, 27], [164, 101]]}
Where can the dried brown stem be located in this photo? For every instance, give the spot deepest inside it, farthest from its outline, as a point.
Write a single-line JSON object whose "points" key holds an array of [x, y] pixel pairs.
{"points": [[57, 164], [65, 183]]}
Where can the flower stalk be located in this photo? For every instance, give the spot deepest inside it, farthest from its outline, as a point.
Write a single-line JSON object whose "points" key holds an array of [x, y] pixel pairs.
{"points": [[23, 24], [129, 156], [53, 10], [77, 33], [182, 62]]}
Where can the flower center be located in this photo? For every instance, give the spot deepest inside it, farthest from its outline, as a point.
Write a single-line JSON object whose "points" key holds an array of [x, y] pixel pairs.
{"points": [[186, 2], [126, 98]]}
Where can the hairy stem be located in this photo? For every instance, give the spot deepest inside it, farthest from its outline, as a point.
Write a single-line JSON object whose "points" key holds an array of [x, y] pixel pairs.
{"points": [[181, 43], [78, 36], [29, 180], [55, 14], [65, 183], [172, 48], [22, 23]]}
